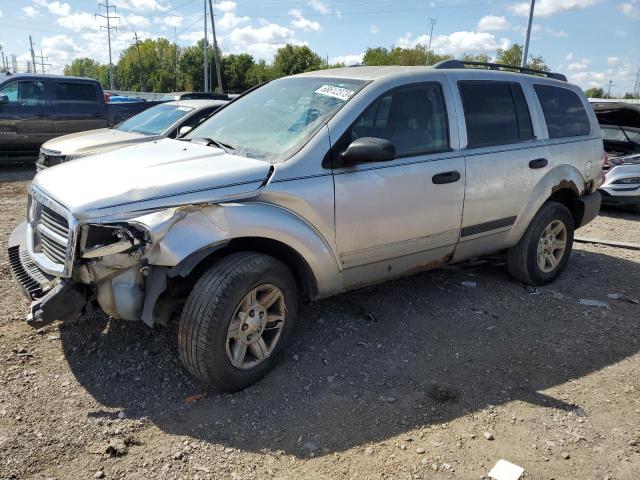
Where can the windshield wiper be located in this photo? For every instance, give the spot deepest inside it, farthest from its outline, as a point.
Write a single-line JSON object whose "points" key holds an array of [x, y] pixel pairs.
{"points": [[210, 141]]}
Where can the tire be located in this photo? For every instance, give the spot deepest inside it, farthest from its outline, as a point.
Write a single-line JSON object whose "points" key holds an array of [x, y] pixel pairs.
{"points": [[522, 259], [221, 296]]}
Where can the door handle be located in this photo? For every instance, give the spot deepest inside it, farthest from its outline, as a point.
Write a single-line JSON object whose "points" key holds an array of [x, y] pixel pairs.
{"points": [[538, 163], [446, 177]]}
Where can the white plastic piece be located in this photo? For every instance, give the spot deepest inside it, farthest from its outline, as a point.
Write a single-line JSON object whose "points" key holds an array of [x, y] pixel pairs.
{"points": [[504, 470]]}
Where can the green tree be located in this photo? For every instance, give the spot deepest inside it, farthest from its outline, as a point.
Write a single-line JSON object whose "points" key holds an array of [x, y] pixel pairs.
{"points": [[292, 59], [482, 58], [235, 72], [594, 93], [259, 73], [82, 67], [513, 56], [629, 96], [418, 55], [154, 70]]}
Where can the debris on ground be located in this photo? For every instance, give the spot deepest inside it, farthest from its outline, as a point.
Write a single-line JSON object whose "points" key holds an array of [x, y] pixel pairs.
{"points": [[586, 302], [620, 296], [194, 398], [469, 284], [504, 470]]}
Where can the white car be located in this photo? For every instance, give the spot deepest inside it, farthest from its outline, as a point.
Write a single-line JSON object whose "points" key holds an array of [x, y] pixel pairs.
{"points": [[167, 120]]}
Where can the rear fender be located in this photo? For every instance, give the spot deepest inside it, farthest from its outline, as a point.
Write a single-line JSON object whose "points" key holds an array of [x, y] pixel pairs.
{"points": [[562, 177]]}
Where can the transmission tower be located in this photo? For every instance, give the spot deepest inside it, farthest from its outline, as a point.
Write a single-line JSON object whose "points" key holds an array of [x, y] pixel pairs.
{"points": [[636, 89], [42, 59], [107, 16]]}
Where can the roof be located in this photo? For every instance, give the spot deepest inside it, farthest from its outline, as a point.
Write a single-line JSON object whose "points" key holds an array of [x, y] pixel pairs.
{"points": [[59, 77], [376, 73]]}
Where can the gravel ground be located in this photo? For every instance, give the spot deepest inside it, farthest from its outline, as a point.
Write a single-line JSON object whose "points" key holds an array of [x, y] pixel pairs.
{"points": [[418, 378]]}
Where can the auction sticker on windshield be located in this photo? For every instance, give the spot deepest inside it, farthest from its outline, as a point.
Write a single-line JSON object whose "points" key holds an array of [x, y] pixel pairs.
{"points": [[337, 92]]}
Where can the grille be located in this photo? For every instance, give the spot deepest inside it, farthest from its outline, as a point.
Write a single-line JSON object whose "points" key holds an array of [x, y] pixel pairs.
{"points": [[26, 272], [53, 230]]}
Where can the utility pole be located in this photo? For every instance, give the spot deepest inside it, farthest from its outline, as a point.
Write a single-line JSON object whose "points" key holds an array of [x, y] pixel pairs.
{"points": [[14, 63], [215, 50], [525, 50], [432, 22], [135, 34], [33, 56], [175, 42], [609, 91], [107, 15], [206, 52], [42, 59]]}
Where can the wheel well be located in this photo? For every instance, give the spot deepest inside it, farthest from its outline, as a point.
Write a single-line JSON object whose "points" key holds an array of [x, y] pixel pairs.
{"points": [[291, 258], [570, 199]]}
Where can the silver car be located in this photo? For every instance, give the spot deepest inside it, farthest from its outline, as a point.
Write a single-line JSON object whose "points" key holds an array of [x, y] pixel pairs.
{"points": [[309, 186], [167, 120]]}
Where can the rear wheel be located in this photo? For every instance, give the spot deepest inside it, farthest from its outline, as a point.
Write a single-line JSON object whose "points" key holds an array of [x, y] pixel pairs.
{"points": [[237, 319], [544, 249]]}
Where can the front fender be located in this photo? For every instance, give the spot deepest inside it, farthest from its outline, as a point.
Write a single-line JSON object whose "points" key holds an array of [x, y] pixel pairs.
{"points": [[179, 232], [558, 178]]}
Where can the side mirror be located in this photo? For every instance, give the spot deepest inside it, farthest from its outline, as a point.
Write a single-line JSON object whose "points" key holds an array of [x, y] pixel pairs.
{"points": [[4, 99], [369, 149], [184, 130]]}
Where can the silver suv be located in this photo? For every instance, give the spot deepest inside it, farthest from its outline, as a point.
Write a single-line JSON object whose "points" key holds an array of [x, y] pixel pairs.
{"points": [[309, 186]]}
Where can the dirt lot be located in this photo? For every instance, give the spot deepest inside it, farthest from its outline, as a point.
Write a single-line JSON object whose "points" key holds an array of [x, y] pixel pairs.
{"points": [[404, 380]]}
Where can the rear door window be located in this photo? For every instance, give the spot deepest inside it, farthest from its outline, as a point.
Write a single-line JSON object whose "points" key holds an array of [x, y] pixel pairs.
{"points": [[563, 111], [496, 113], [75, 92]]}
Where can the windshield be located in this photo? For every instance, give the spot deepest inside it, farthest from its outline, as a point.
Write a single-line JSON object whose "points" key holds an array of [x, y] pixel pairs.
{"points": [[154, 120], [632, 133], [276, 120]]}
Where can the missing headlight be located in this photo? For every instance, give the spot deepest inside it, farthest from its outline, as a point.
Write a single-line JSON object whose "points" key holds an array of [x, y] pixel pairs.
{"points": [[102, 240]]}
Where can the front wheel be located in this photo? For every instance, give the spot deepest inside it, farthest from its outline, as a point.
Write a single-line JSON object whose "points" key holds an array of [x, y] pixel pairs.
{"points": [[544, 249], [237, 319]]}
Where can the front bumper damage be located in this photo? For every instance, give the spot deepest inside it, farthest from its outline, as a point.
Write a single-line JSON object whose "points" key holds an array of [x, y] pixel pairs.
{"points": [[51, 298]]}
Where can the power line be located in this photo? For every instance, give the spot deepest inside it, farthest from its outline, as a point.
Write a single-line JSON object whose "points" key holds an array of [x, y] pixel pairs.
{"points": [[107, 15]]}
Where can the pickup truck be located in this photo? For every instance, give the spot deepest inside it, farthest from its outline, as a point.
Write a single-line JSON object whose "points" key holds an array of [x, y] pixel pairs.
{"points": [[37, 108]]}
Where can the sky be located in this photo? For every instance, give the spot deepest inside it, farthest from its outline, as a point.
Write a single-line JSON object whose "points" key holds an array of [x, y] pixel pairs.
{"points": [[591, 41]]}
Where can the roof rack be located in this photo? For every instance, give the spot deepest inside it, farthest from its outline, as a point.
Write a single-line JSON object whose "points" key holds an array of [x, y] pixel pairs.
{"points": [[457, 64]]}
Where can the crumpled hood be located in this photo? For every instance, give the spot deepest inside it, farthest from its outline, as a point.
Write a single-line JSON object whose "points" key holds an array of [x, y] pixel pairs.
{"points": [[152, 175], [94, 141]]}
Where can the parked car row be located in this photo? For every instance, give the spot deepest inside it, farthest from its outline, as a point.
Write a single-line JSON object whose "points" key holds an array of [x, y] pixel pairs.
{"points": [[620, 126], [308, 186], [167, 120], [37, 108]]}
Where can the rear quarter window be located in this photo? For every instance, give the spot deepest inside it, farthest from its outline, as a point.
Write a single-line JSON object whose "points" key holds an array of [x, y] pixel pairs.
{"points": [[75, 92], [563, 111]]}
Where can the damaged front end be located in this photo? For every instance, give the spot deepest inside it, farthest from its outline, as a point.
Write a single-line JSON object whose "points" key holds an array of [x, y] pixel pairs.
{"points": [[108, 254]]}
